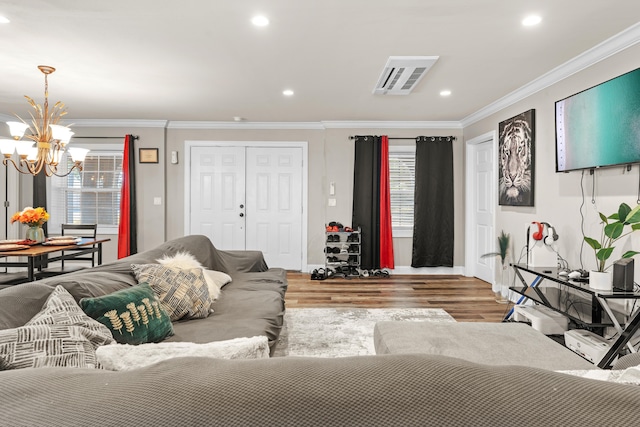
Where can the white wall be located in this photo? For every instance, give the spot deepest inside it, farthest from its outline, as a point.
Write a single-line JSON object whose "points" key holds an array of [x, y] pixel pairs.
{"points": [[331, 157], [558, 195]]}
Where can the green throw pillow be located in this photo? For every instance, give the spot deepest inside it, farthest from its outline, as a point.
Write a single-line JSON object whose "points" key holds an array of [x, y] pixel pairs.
{"points": [[133, 315]]}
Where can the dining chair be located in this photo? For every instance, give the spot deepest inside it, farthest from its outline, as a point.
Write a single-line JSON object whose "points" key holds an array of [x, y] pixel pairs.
{"points": [[80, 230]]}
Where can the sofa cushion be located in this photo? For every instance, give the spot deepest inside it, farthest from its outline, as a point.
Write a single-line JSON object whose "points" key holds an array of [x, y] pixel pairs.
{"points": [[61, 335], [183, 293], [133, 315], [127, 357]]}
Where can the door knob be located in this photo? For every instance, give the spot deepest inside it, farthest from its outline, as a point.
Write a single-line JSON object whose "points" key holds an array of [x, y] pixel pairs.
{"points": [[241, 214]]}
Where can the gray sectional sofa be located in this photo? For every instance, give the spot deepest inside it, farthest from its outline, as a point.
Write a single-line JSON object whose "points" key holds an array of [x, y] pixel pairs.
{"points": [[251, 305], [384, 390]]}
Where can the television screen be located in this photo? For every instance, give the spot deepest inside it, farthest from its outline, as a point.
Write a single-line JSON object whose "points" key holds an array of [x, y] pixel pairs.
{"points": [[600, 126]]}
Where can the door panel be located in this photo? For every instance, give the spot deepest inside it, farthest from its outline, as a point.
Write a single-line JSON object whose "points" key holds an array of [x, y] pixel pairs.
{"points": [[274, 205], [217, 192], [484, 211], [267, 182]]}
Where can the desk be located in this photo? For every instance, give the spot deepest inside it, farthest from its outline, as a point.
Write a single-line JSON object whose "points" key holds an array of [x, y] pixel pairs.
{"points": [[34, 254], [566, 296]]}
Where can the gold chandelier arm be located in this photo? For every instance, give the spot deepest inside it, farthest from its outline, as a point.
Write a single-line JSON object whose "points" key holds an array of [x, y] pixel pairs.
{"points": [[76, 165], [18, 167]]}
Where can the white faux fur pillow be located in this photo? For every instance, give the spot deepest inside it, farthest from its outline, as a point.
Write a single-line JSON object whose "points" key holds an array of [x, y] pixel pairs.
{"points": [[184, 260], [124, 357]]}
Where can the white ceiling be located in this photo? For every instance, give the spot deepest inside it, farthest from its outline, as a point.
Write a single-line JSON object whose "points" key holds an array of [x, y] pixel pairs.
{"points": [[202, 60]]}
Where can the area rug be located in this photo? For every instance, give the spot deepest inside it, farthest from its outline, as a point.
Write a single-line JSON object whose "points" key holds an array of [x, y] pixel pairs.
{"points": [[342, 332]]}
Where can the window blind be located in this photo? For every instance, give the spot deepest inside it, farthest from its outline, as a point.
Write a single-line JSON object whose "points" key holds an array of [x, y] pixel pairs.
{"points": [[90, 196], [402, 185]]}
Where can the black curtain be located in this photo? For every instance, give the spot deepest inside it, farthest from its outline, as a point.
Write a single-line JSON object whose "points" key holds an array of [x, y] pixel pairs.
{"points": [[433, 212], [40, 194], [366, 199]]}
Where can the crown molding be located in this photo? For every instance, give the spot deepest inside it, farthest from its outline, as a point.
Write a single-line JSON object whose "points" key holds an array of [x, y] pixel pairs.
{"points": [[372, 124], [243, 125], [204, 125], [315, 125], [121, 123], [601, 51]]}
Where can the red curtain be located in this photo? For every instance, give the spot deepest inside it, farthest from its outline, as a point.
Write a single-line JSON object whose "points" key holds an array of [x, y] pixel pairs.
{"points": [[386, 236], [127, 232]]}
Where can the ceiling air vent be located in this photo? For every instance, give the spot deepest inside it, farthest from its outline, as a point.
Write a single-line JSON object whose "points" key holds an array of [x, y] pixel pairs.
{"points": [[402, 74]]}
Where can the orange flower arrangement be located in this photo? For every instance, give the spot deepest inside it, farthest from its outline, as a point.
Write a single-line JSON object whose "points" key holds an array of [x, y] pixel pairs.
{"points": [[31, 216]]}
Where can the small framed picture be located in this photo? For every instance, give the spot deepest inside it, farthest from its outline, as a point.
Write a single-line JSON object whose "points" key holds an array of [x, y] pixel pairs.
{"points": [[148, 155]]}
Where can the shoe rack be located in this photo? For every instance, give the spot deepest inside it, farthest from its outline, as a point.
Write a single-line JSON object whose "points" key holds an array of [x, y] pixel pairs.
{"points": [[342, 250]]}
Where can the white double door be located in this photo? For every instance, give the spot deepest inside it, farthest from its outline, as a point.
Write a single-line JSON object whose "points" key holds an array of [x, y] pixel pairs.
{"points": [[249, 198]]}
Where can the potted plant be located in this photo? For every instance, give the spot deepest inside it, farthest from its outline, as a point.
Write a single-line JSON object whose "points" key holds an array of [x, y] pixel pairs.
{"points": [[502, 289], [614, 227]]}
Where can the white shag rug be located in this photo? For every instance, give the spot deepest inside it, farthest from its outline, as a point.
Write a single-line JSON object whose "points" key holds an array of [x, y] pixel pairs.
{"points": [[123, 357], [341, 332]]}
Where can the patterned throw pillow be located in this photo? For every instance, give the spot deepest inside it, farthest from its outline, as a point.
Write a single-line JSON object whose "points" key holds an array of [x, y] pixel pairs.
{"points": [[183, 293], [134, 315], [61, 335], [185, 261]]}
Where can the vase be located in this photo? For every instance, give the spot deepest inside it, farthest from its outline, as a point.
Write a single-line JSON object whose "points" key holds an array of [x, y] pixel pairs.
{"points": [[35, 233], [502, 288], [601, 280]]}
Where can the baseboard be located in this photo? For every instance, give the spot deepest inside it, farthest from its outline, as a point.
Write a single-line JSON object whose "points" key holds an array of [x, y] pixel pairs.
{"points": [[456, 270]]}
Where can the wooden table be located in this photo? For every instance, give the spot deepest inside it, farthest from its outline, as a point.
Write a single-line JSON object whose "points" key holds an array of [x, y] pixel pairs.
{"points": [[35, 259]]}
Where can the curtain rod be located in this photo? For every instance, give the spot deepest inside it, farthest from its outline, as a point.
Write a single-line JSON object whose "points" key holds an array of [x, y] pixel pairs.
{"points": [[414, 138]]}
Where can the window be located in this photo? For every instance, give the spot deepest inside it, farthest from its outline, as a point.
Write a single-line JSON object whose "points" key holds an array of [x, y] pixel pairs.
{"points": [[402, 162], [90, 196]]}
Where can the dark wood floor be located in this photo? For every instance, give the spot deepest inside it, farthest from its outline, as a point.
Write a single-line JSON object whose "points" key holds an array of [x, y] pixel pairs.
{"points": [[466, 299]]}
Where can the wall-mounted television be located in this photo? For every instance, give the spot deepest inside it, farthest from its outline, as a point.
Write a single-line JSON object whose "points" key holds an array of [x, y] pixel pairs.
{"points": [[600, 126]]}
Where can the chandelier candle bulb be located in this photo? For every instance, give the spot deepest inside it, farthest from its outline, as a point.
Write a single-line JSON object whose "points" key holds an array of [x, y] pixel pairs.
{"points": [[23, 147], [78, 154], [7, 147], [17, 129]]}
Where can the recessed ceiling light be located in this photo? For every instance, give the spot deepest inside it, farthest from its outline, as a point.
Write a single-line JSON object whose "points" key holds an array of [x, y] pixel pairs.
{"points": [[4, 20], [260, 21], [238, 119], [445, 92], [531, 20], [287, 92]]}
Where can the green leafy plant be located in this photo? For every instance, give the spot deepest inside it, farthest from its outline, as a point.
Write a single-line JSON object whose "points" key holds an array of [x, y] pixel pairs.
{"points": [[503, 247], [614, 227]]}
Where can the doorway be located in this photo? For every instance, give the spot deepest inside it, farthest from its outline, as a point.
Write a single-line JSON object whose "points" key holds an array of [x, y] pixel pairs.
{"points": [[481, 190], [249, 196]]}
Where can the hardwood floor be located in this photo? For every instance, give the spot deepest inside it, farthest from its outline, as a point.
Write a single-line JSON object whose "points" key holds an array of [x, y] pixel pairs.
{"points": [[466, 299]]}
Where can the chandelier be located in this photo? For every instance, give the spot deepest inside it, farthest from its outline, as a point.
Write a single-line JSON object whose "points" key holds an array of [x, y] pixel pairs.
{"points": [[43, 146]]}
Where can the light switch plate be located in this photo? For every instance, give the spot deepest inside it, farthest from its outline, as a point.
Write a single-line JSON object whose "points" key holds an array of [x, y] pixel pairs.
{"points": [[157, 201]]}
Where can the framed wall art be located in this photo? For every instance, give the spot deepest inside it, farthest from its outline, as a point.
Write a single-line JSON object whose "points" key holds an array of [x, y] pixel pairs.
{"points": [[148, 155], [516, 173]]}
